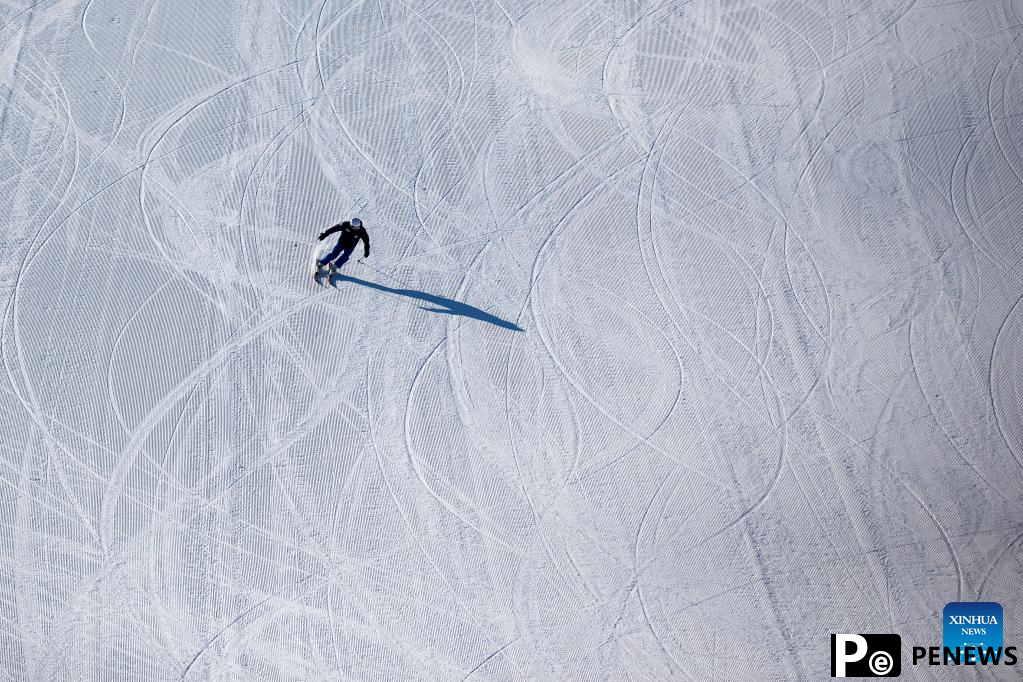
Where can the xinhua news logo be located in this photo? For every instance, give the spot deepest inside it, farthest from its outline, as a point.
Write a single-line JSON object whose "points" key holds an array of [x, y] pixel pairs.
{"points": [[866, 655], [972, 626]]}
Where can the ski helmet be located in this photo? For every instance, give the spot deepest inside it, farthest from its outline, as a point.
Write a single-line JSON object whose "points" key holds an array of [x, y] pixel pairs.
{"points": [[356, 222]]}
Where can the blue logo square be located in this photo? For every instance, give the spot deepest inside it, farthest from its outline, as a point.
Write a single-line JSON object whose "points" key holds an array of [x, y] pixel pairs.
{"points": [[972, 623]]}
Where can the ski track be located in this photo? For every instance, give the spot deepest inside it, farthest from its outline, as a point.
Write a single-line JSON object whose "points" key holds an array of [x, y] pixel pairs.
{"points": [[762, 260]]}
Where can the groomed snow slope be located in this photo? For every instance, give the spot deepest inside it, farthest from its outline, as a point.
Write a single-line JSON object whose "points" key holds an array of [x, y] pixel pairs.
{"points": [[692, 333]]}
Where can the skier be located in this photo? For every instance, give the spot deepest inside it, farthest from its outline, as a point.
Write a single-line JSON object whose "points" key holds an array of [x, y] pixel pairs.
{"points": [[351, 232]]}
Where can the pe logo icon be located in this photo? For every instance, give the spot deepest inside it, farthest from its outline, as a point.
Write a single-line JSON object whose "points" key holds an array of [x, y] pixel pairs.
{"points": [[866, 655], [975, 624]]}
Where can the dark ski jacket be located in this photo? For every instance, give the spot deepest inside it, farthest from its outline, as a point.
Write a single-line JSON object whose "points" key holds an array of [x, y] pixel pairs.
{"points": [[350, 236]]}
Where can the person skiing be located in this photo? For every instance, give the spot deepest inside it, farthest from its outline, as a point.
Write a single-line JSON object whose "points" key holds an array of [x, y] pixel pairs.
{"points": [[351, 232]]}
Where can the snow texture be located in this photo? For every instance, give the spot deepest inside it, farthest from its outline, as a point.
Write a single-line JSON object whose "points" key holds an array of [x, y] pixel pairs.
{"points": [[692, 333]]}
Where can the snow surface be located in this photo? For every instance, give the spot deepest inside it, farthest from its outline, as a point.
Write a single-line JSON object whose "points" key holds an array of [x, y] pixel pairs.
{"points": [[692, 333]]}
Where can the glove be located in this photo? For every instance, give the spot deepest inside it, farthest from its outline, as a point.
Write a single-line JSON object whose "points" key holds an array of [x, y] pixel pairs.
{"points": [[322, 235]]}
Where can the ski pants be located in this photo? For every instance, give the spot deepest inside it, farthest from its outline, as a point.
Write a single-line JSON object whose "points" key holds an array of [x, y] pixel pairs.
{"points": [[338, 254]]}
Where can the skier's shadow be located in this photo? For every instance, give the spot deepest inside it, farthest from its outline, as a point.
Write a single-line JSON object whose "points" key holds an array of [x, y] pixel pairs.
{"points": [[447, 306]]}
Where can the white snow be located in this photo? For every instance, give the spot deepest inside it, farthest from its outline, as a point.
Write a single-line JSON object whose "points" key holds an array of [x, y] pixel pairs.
{"points": [[691, 334]]}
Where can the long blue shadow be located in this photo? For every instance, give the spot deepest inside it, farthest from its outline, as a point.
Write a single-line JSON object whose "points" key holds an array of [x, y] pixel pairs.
{"points": [[447, 306]]}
